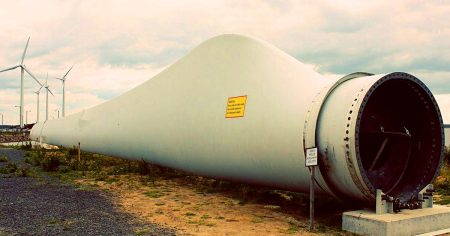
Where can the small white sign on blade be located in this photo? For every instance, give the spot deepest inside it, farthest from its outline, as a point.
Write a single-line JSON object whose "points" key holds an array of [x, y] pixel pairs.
{"points": [[311, 157]]}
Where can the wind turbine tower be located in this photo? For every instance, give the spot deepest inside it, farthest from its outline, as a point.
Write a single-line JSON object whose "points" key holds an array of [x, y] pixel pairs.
{"points": [[46, 97], [63, 80], [37, 103]]}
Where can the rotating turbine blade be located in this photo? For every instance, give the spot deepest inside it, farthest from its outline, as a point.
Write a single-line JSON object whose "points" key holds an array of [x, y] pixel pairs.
{"points": [[32, 76], [64, 77], [39, 90], [46, 86], [12, 68], [25, 51], [50, 91]]}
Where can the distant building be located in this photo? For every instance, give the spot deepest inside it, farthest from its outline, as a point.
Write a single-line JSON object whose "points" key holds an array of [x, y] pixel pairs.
{"points": [[447, 135]]}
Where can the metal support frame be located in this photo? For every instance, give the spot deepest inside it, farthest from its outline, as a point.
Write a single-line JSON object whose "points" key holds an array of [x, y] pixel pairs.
{"points": [[384, 203], [388, 204], [426, 196]]}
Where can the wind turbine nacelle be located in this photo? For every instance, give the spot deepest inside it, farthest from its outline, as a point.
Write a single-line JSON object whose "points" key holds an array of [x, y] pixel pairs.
{"points": [[237, 108]]}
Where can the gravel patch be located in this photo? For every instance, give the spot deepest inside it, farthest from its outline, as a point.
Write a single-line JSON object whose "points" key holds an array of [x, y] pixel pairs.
{"points": [[45, 206], [14, 155]]}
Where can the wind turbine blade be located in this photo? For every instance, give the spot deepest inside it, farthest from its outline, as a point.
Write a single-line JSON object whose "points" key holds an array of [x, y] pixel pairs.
{"points": [[39, 90], [25, 51], [32, 76], [12, 68], [50, 91], [64, 77]]}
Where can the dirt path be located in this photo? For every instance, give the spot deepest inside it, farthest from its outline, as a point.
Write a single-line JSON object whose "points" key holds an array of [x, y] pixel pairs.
{"points": [[177, 204], [42, 205]]}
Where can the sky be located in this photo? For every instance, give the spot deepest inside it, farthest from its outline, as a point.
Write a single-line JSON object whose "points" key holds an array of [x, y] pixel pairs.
{"points": [[116, 45]]}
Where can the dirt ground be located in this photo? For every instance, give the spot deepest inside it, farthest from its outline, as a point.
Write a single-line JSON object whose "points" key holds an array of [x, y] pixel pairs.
{"points": [[180, 205]]}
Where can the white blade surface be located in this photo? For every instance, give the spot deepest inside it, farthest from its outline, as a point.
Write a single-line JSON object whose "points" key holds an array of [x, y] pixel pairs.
{"points": [[25, 51], [64, 77], [50, 91], [46, 86], [39, 90], [12, 68], [32, 76]]}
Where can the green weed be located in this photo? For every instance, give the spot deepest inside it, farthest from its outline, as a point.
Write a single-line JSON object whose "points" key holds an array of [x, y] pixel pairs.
{"points": [[142, 231], [292, 229], [154, 194], [3, 159], [257, 220], [8, 169]]}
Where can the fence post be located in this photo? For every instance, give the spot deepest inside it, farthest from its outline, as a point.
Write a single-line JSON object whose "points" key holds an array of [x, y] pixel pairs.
{"points": [[79, 152]]}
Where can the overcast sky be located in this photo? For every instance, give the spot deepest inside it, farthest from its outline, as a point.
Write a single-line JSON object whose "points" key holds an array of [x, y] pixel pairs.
{"points": [[117, 45]]}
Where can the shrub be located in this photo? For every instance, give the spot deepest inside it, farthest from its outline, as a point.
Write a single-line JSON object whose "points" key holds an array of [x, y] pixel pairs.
{"points": [[3, 159], [50, 163], [73, 151], [101, 176], [22, 172], [34, 158], [144, 168], [74, 164], [8, 169], [442, 182], [3, 170], [27, 146], [63, 169]]}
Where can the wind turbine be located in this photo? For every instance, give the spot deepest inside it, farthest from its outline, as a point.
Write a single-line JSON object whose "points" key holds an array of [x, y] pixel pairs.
{"points": [[63, 80], [46, 97], [37, 103], [23, 69]]}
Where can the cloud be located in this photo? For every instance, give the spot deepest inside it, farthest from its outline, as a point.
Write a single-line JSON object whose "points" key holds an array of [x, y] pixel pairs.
{"points": [[116, 45]]}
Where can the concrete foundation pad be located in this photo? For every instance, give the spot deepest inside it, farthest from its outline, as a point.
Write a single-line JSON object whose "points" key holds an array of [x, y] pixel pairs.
{"points": [[406, 222]]}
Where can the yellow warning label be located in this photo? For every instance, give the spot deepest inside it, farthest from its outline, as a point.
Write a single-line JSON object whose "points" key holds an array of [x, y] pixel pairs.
{"points": [[236, 107]]}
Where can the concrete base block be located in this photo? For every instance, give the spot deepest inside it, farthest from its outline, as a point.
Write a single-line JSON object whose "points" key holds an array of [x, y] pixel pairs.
{"points": [[406, 222]]}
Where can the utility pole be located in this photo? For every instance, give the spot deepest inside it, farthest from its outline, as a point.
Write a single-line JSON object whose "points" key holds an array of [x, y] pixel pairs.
{"points": [[26, 117]]}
